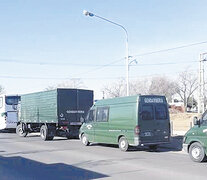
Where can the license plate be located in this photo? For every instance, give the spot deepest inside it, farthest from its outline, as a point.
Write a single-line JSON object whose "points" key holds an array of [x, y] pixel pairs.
{"points": [[147, 134]]}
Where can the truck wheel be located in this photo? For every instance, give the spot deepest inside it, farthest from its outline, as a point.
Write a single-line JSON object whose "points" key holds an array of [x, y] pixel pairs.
{"points": [[84, 140], [123, 144], [20, 131], [50, 138], [196, 152], [153, 147], [44, 133]]}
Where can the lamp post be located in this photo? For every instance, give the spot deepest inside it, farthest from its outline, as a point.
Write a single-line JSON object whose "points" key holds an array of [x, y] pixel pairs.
{"points": [[86, 13]]}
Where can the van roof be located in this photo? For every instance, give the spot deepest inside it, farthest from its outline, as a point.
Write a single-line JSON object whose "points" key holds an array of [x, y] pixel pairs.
{"points": [[126, 99]]}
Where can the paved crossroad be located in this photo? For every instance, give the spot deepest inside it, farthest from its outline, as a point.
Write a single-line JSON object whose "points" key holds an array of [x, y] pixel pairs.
{"points": [[32, 158]]}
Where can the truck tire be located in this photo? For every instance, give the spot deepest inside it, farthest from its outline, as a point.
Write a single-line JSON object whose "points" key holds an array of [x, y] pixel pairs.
{"points": [[50, 138], [196, 152], [44, 133], [84, 140], [20, 131], [153, 147], [123, 144]]}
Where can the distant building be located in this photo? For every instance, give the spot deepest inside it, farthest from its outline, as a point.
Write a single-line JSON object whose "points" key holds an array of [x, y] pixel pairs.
{"points": [[177, 104]]}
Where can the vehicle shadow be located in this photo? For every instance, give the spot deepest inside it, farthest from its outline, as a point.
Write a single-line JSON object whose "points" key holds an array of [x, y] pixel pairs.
{"points": [[56, 138], [174, 145], [8, 131], [17, 167]]}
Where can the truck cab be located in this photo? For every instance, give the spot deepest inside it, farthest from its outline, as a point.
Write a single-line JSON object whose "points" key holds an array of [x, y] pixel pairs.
{"points": [[195, 139]]}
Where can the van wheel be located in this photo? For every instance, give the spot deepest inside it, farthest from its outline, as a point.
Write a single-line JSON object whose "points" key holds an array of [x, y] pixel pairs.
{"points": [[84, 140], [44, 133], [196, 152], [123, 144], [20, 131]]}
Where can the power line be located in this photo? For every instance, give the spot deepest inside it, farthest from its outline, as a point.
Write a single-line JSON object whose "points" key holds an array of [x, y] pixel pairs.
{"points": [[95, 69], [170, 49], [89, 78], [154, 52], [98, 65], [167, 63]]}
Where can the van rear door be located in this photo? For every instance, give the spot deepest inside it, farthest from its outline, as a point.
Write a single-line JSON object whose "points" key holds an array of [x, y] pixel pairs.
{"points": [[153, 120]]}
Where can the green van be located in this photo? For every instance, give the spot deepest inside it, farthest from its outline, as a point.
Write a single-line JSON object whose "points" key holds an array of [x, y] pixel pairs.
{"points": [[195, 139], [128, 121]]}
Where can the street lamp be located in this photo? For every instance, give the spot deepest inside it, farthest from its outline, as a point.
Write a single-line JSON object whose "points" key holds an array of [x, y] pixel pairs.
{"points": [[86, 13]]}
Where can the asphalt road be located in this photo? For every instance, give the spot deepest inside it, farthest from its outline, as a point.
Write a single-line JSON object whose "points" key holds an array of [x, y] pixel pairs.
{"points": [[32, 158]]}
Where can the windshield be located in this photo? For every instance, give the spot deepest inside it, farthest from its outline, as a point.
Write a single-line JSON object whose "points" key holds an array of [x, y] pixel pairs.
{"points": [[12, 100], [90, 116]]}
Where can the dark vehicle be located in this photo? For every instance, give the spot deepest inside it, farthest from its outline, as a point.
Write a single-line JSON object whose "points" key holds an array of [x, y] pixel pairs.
{"points": [[195, 139], [58, 112]]}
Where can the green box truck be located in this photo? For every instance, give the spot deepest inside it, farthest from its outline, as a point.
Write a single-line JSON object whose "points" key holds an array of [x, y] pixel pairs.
{"points": [[195, 139], [134, 120], [58, 112]]}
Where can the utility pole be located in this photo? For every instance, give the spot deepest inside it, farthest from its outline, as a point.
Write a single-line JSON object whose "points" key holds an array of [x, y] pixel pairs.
{"points": [[201, 106], [103, 95]]}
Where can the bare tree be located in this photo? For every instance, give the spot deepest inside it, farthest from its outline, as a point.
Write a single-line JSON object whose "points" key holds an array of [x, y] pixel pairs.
{"points": [[116, 89], [50, 88], [139, 86], [162, 86], [156, 85], [187, 84], [72, 83]]}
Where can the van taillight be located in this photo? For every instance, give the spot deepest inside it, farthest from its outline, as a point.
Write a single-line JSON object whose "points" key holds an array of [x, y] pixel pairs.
{"points": [[136, 130]]}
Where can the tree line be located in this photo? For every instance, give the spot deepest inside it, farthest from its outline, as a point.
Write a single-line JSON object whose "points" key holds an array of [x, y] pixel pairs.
{"points": [[184, 85]]}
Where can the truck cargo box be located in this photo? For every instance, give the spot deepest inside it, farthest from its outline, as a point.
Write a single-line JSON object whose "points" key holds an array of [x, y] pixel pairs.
{"points": [[59, 107]]}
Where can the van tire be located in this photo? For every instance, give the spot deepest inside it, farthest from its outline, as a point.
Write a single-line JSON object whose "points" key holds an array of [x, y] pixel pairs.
{"points": [[44, 133], [84, 140], [196, 152], [123, 144], [20, 131]]}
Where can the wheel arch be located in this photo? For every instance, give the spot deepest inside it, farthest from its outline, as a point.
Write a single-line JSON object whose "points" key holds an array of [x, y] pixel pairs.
{"points": [[194, 141], [121, 135]]}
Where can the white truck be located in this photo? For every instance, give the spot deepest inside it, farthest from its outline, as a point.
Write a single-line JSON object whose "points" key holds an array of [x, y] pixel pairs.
{"points": [[9, 111]]}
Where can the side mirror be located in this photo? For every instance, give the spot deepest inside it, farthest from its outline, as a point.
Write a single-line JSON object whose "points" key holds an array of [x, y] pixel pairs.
{"points": [[196, 121]]}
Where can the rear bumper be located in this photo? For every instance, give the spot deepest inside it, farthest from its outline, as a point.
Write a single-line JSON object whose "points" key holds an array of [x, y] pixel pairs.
{"points": [[140, 143], [154, 143]]}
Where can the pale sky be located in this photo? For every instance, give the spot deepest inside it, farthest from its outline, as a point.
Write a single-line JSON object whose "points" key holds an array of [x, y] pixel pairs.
{"points": [[46, 42]]}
